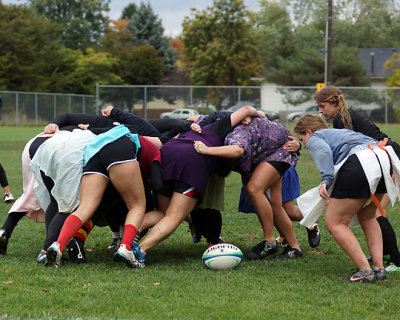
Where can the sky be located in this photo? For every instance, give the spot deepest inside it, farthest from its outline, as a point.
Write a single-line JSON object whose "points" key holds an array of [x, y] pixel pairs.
{"points": [[171, 12]]}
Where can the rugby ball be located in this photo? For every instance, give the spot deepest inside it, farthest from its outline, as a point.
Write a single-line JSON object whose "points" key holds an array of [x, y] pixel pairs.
{"points": [[222, 256]]}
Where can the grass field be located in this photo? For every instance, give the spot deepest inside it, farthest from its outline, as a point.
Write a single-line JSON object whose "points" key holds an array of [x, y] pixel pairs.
{"points": [[175, 284]]}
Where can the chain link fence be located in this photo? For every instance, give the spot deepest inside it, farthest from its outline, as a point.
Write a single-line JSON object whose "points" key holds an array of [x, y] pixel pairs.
{"points": [[33, 108], [284, 104], [378, 104]]}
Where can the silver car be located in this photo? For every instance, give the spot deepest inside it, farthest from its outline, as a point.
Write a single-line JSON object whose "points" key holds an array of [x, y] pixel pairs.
{"points": [[179, 114]]}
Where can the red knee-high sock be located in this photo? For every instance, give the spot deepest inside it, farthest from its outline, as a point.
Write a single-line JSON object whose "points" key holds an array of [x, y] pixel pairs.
{"points": [[84, 231], [130, 232], [71, 225]]}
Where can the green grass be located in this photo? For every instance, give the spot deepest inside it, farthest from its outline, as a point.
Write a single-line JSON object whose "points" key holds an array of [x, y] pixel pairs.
{"points": [[175, 284]]}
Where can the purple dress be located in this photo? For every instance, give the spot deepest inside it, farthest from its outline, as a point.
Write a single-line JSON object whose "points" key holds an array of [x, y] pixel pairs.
{"points": [[262, 141], [180, 161]]}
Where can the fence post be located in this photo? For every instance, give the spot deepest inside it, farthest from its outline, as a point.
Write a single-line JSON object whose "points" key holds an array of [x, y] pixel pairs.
{"points": [[36, 110], [55, 106], [16, 109], [239, 94], [191, 96], [145, 103], [83, 105], [69, 103], [97, 99], [386, 109]]}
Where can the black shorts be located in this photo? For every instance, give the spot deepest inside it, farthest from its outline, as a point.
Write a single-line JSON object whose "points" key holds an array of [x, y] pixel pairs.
{"points": [[119, 151], [351, 181], [180, 187], [280, 166]]}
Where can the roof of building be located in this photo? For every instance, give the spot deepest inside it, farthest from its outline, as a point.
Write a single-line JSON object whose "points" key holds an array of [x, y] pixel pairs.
{"points": [[374, 59]]}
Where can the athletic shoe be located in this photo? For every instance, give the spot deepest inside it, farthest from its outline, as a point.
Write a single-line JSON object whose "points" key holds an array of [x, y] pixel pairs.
{"points": [[392, 268], [54, 255], [76, 251], [3, 241], [380, 273], [127, 256], [261, 250], [360, 276], [138, 254], [290, 253], [196, 235], [314, 236], [41, 259], [114, 244], [8, 197], [136, 239], [280, 241]]}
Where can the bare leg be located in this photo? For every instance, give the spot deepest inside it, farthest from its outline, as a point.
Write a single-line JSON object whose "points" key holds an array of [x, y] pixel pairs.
{"points": [[263, 177], [127, 180], [338, 216], [281, 218], [178, 209]]}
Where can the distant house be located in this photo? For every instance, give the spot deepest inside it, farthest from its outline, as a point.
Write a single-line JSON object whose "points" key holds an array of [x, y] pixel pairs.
{"points": [[373, 60]]}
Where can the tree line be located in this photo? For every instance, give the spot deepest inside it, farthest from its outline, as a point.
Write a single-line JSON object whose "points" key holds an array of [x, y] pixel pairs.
{"points": [[68, 46]]}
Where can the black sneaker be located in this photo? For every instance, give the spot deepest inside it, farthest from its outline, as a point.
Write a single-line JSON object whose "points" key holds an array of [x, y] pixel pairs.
{"points": [[360, 276], [261, 250], [380, 273], [3, 241], [76, 251], [290, 253], [314, 236], [196, 235], [114, 244]]}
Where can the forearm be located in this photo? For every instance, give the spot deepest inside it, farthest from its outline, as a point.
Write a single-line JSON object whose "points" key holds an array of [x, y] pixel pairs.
{"points": [[231, 152]]}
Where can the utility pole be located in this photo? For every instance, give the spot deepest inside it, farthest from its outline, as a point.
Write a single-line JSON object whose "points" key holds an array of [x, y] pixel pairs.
{"points": [[328, 44]]}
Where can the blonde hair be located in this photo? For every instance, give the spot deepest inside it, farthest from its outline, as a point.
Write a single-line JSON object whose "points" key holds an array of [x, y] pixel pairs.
{"points": [[313, 122], [334, 95]]}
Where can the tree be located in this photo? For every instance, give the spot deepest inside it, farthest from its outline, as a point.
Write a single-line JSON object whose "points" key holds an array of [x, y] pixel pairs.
{"points": [[146, 28], [129, 11], [83, 22], [32, 57], [220, 45], [91, 68]]}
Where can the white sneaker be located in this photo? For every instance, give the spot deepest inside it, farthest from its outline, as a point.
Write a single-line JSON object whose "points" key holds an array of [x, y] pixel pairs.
{"points": [[127, 256], [54, 255], [8, 197]]}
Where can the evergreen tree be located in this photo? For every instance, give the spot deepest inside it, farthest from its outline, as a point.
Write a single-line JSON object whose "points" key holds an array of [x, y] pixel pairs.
{"points": [[146, 28], [129, 11]]}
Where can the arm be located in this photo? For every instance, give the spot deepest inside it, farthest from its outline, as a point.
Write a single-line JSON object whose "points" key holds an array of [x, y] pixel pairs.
{"points": [[292, 145], [231, 152], [323, 158], [243, 113]]}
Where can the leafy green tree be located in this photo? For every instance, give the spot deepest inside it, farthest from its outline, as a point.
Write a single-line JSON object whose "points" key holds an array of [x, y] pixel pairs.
{"points": [[91, 68], [146, 28], [31, 55], [83, 22], [220, 45]]}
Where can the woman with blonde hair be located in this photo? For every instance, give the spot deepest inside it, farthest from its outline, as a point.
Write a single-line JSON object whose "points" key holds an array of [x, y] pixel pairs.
{"points": [[349, 192], [332, 105]]}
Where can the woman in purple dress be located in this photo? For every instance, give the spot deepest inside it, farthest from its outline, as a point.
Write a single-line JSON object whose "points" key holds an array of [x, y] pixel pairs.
{"points": [[261, 160]]}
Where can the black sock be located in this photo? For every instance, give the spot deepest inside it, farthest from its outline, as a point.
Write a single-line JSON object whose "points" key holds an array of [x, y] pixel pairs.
{"points": [[12, 221], [209, 223], [389, 240]]}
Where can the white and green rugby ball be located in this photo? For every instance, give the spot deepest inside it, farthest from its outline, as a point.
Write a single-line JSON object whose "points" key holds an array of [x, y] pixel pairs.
{"points": [[222, 256]]}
